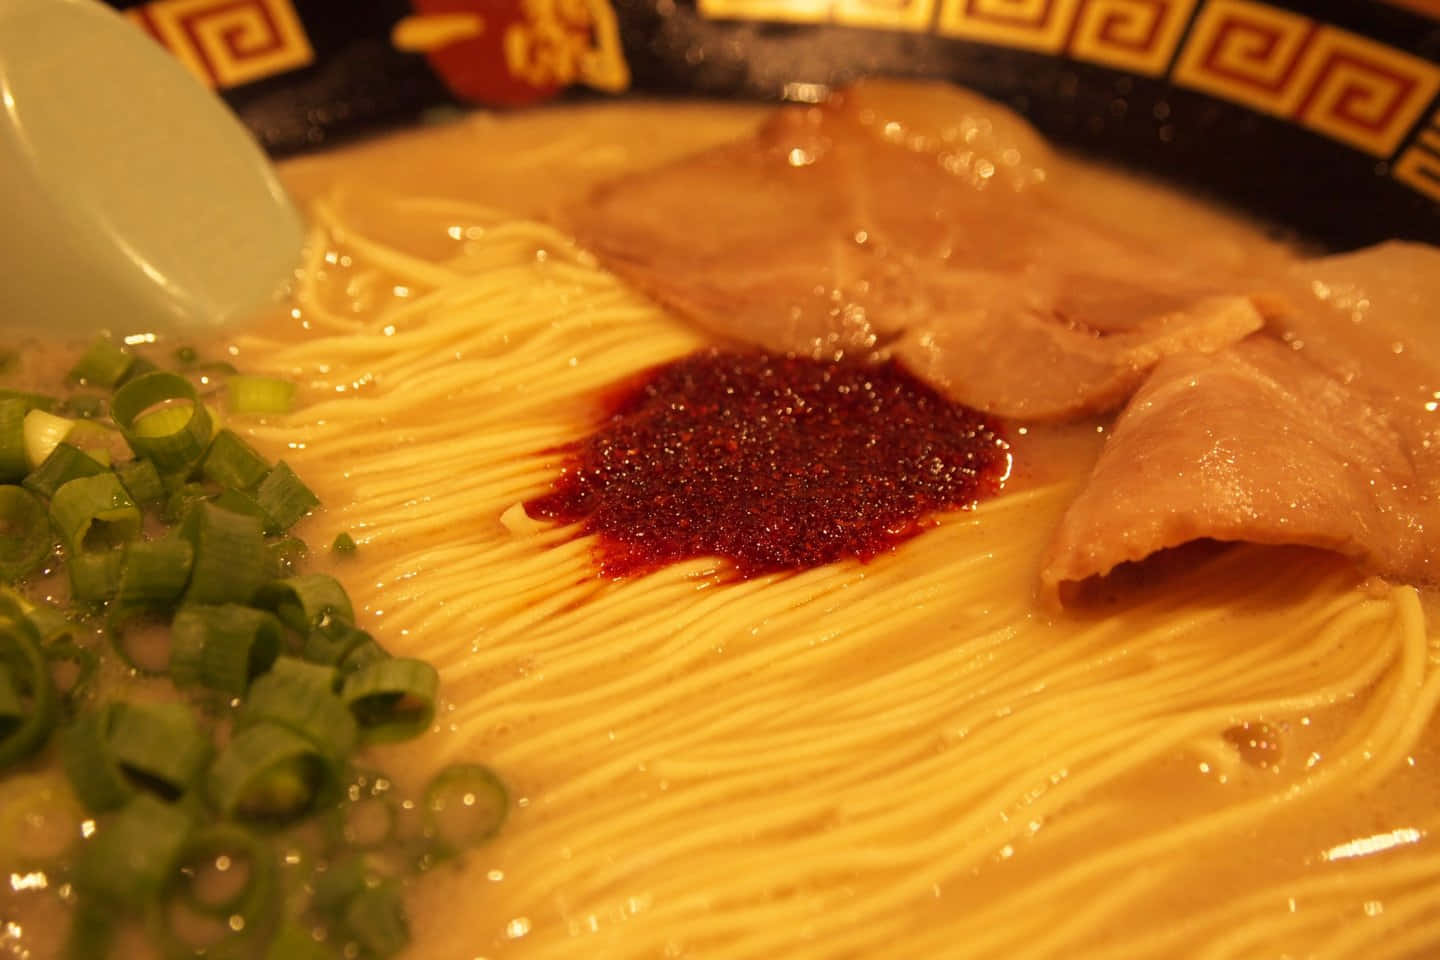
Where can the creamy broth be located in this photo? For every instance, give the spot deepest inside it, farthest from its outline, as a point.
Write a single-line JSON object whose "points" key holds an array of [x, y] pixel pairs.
{"points": [[910, 757]]}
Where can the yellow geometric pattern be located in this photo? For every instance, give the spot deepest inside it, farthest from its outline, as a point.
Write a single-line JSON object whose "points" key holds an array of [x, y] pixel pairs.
{"points": [[913, 15], [1135, 35], [1247, 53], [228, 43], [1419, 166], [1364, 93], [1040, 25]]}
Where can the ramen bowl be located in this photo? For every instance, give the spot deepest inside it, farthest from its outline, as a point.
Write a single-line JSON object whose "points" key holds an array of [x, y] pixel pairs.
{"points": [[970, 735]]}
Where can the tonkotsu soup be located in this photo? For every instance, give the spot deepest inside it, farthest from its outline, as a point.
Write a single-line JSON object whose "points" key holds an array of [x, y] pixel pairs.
{"points": [[1222, 750]]}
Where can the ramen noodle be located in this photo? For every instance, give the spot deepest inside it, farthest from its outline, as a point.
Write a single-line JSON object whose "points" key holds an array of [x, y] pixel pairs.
{"points": [[1229, 754]]}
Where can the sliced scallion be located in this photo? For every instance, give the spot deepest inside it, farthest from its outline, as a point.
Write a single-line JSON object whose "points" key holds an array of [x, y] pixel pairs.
{"points": [[13, 465], [66, 462], [333, 641], [222, 647], [230, 558], [231, 462], [95, 576], [142, 480], [269, 773], [375, 919], [464, 805], [286, 555], [284, 497], [86, 406], [102, 364], [25, 539], [43, 431], [364, 653], [238, 501], [260, 395], [163, 419], [94, 513], [301, 697], [306, 601], [392, 699], [33, 401], [182, 497], [154, 575], [294, 942], [228, 876], [131, 858], [28, 678], [72, 671], [121, 749]]}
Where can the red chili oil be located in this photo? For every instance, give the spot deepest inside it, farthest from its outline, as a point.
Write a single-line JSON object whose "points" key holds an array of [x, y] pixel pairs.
{"points": [[772, 462]]}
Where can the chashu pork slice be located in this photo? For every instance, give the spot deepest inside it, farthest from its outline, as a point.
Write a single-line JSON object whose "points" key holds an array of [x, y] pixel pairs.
{"points": [[918, 220], [1253, 443]]}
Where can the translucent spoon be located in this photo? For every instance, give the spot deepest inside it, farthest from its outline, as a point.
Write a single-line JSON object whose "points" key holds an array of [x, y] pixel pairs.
{"points": [[131, 199]]}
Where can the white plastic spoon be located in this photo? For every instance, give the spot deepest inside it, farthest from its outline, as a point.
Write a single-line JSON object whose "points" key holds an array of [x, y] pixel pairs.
{"points": [[131, 199]]}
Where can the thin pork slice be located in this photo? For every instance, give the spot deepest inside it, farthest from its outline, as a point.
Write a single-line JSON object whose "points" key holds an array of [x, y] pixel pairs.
{"points": [[1252, 443], [918, 220]]}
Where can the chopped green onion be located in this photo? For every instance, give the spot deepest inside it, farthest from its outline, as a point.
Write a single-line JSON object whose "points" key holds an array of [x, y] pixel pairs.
{"points": [[102, 364], [269, 773], [25, 539], [181, 499], [231, 462], [172, 436], [66, 462], [154, 575], [238, 501], [40, 822], [33, 401], [344, 543], [253, 901], [86, 406], [185, 356], [131, 858], [94, 513], [284, 497], [465, 805], [124, 748], [392, 699], [340, 881], [306, 601], [43, 433], [101, 441], [286, 556], [260, 394], [13, 465], [72, 683], [211, 372], [142, 480], [92, 931], [139, 368], [301, 697], [364, 653], [333, 641], [375, 919], [95, 576], [222, 647], [28, 680], [230, 558], [50, 623], [294, 942]]}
